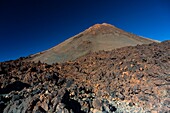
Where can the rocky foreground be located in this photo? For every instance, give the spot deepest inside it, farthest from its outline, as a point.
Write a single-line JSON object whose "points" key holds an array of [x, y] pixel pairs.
{"points": [[126, 80]]}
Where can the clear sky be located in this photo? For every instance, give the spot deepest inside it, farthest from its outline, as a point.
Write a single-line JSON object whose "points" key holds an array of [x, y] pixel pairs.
{"points": [[31, 26]]}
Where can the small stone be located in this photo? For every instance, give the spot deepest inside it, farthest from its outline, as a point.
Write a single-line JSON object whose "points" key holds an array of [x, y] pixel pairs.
{"points": [[121, 96], [167, 103], [131, 104], [41, 97], [154, 111], [36, 91], [46, 92], [61, 81], [120, 63], [15, 97], [28, 90], [112, 108], [97, 111], [141, 69], [84, 99], [44, 105], [69, 82], [72, 94], [143, 98], [60, 108], [97, 104], [113, 94]]}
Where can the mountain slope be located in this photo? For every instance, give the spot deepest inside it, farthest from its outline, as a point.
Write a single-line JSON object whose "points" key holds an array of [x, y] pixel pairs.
{"points": [[98, 37], [133, 79]]}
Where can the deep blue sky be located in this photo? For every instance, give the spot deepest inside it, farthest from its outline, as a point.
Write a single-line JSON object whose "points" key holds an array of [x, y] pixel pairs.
{"points": [[31, 26]]}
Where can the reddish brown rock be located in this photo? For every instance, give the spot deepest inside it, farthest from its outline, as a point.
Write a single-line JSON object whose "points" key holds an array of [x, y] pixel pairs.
{"points": [[129, 79]]}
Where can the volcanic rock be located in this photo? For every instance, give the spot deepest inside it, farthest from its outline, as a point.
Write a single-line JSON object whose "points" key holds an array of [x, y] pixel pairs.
{"points": [[132, 79]]}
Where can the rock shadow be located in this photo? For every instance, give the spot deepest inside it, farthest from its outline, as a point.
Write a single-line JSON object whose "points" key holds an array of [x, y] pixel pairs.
{"points": [[15, 86], [71, 104]]}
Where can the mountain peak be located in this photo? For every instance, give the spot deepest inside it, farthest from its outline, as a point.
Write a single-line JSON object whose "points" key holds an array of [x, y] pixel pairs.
{"points": [[103, 25], [100, 28]]}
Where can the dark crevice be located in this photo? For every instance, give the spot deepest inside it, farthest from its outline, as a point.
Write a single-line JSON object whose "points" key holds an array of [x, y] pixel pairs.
{"points": [[15, 86], [3, 102], [71, 104]]}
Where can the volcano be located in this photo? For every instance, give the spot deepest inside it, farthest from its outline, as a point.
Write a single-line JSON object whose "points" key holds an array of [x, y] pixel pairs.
{"points": [[98, 37]]}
